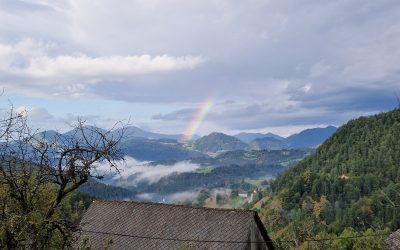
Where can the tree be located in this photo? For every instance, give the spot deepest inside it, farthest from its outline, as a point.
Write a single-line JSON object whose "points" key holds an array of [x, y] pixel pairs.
{"points": [[38, 172], [203, 195]]}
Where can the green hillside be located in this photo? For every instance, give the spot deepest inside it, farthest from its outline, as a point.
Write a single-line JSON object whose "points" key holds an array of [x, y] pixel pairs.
{"points": [[215, 142], [100, 190], [350, 186]]}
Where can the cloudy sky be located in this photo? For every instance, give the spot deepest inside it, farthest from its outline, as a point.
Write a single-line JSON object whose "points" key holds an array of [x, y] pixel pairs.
{"points": [[266, 65]]}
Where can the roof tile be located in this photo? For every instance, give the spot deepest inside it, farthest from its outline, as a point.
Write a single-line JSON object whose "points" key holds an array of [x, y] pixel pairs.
{"points": [[143, 225]]}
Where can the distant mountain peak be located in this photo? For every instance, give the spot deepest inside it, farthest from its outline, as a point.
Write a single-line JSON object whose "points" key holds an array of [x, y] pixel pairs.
{"points": [[269, 143], [217, 141], [310, 138], [248, 137]]}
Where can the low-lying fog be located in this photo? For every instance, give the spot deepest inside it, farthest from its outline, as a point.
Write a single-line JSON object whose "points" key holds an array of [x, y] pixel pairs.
{"points": [[132, 172], [135, 175], [190, 195]]}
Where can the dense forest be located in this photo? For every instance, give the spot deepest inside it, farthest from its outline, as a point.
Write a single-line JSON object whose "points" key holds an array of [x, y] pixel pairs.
{"points": [[263, 157], [100, 190], [209, 178], [349, 186]]}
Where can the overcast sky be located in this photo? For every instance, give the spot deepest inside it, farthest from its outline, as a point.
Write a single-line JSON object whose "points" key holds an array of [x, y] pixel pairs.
{"points": [[267, 65]]}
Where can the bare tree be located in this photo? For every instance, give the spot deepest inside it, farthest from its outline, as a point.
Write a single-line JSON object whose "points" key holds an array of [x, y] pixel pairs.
{"points": [[37, 173]]}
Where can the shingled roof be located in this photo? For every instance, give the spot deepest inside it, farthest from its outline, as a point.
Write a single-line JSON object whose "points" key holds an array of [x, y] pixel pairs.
{"points": [[142, 225], [394, 240]]}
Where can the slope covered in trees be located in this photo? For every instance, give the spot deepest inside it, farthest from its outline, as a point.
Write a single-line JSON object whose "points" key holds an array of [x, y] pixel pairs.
{"points": [[215, 142], [100, 190], [351, 184]]}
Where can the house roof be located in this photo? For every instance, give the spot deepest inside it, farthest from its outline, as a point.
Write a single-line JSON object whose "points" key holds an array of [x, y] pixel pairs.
{"points": [[394, 240], [143, 225]]}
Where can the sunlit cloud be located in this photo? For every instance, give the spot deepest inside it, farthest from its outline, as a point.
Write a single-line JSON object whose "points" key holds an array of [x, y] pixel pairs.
{"points": [[29, 67]]}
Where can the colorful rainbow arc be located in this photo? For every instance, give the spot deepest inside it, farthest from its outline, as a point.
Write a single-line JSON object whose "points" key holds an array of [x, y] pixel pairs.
{"points": [[197, 120]]}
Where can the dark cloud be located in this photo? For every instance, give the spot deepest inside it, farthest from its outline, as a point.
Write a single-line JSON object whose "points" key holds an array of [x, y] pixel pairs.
{"points": [[277, 62], [182, 114]]}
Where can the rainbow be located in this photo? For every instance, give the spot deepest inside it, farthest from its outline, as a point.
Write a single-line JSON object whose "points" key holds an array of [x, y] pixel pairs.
{"points": [[197, 119]]}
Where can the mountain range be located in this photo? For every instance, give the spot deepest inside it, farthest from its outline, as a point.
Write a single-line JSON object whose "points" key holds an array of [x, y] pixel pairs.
{"points": [[309, 138], [216, 142], [248, 137], [219, 142], [135, 132], [347, 187], [269, 143], [148, 146]]}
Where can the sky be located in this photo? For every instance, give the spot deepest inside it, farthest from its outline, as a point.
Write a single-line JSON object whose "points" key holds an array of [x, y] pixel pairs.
{"points": [[258, 65]]}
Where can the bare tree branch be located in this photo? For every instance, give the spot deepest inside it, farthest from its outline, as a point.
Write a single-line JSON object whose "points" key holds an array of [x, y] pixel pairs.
{"points": [[31, 164]]}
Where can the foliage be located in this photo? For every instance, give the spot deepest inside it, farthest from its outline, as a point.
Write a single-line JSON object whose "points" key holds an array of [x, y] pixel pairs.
{"points": [[97, 189], [38, 178], [350, 186], [269, 143], [227, 169], [203, 195], [226, 176], [143, 149], [215, 142]]}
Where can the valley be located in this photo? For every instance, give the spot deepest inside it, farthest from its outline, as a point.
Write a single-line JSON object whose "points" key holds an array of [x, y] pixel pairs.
{"points": [[317, 182], [164, 169], [331, 190]]}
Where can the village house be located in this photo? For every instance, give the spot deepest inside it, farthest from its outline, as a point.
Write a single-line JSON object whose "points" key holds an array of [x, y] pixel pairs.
{"points": [[141, 225], [242, 194]]}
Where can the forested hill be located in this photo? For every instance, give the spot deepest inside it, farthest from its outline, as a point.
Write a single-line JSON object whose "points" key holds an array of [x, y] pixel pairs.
{"points": [[215, 142], [351, 183]]}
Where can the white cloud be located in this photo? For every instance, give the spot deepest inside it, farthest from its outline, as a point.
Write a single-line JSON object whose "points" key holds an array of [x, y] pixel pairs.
{"points": [[307, 87], [35, 114], [189, 195], [319, 69], [29, 67], [84, 66], [39, 118]]}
